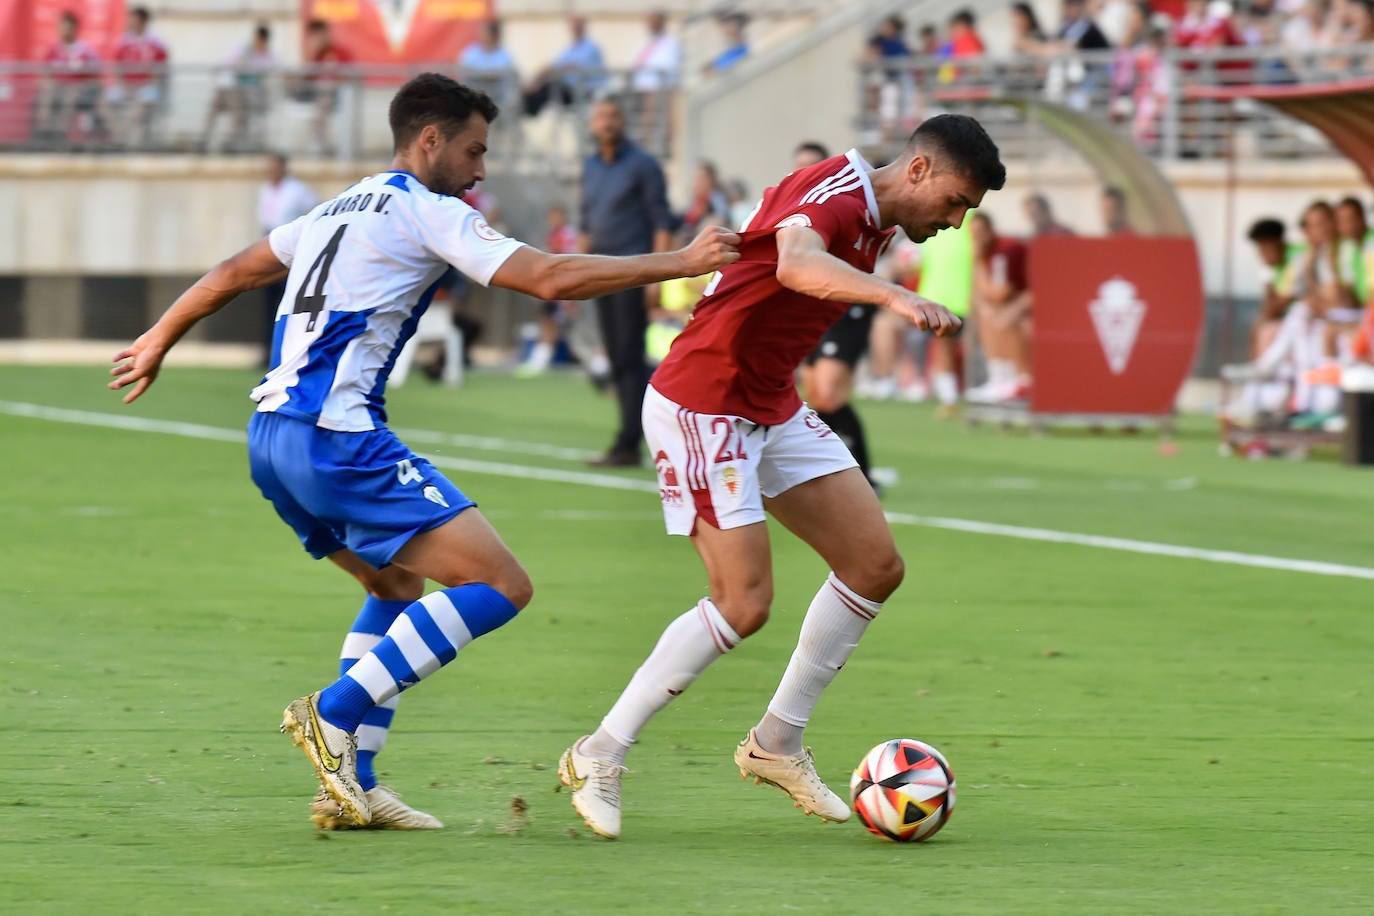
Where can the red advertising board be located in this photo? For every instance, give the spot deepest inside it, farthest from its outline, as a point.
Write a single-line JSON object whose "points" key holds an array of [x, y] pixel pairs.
{"points": [[400, 31], [1117, 323]]}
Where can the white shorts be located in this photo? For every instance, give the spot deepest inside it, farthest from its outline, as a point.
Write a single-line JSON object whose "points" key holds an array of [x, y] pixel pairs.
{"points": [[719, 467]]}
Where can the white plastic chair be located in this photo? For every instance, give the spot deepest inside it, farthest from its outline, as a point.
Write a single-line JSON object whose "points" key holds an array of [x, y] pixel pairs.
{"points": [[436, 324]]}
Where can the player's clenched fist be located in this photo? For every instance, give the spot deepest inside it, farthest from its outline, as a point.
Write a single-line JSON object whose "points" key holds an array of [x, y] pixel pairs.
{"points": [[928, 316], [712, 249]]}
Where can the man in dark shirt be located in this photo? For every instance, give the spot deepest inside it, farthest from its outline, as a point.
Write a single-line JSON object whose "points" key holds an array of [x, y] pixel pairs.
{"points": [[624, 211]]}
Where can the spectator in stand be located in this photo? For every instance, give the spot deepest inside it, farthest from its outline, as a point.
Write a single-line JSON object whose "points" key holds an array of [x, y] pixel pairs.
{"points": [[732, 27], [325, 62], [1305, 31], [1002, 307], [1125, 72], [282, 197], [928, 40], [1041, 217], [241, 91], [890, 87], [1027, 37], [573, 77], [70, 92], [487, 65], [1027, 40], [658, 63], [657, 71], [964, 42], [1356, 28], [709, 205], [1079, 32], [1116, 218], [1154, 80], [136, 89]]}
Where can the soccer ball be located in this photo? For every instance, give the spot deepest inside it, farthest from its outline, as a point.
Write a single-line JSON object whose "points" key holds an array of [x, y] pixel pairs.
{"points": [[903, 790]]}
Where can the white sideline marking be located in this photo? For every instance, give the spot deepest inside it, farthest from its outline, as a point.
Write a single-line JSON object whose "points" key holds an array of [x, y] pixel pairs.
{"points": [[615, 482]]}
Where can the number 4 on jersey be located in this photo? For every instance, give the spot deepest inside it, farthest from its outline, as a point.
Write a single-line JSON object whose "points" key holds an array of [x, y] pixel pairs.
{"points": [[314, 303]]}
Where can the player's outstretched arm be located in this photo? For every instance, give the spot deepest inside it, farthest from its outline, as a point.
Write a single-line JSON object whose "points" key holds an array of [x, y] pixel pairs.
{"points": [[805, 266], [138, 364], [585, 276]]}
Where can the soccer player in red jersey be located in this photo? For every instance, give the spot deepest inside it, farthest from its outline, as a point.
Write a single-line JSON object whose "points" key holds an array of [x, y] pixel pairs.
{"points": [[732, 439]]}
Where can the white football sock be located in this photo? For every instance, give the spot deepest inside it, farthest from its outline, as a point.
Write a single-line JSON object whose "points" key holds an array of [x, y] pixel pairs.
{"points": [[946, 387], [687, 646], [834, 623], [541, 355]]}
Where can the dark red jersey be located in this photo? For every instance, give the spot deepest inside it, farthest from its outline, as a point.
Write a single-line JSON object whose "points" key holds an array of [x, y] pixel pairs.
{"points": [[748, 333]]}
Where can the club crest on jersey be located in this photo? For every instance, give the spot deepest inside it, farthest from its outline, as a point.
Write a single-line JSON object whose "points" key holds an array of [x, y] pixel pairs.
{"points": [[668, 488]]}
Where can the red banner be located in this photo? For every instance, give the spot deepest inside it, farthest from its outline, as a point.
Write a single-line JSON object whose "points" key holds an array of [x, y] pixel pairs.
{"points": [[400, 31], [1117, 323]]}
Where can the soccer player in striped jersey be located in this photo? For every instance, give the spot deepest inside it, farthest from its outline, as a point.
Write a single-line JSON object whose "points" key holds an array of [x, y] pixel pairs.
{"points": [[360, 269], [731, 439]]}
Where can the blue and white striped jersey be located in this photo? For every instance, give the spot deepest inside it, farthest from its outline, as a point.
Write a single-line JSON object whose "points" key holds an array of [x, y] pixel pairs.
{"points": [[364, 267]]}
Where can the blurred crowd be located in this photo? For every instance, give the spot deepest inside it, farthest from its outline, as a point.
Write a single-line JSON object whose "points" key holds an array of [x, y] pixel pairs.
{"points": [[1138, 53], [112, 97]]}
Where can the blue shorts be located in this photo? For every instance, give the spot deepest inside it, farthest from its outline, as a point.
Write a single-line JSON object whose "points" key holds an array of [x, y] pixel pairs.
{"points": [[365, 491]]}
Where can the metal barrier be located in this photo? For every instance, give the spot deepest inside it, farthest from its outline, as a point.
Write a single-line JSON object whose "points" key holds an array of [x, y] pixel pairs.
{"points": [[1144, 91], [320, 111]]}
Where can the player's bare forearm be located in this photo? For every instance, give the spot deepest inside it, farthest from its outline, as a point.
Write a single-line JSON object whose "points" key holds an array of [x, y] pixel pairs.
{"points": [[806, 267], [138, 364], [586, 276]]}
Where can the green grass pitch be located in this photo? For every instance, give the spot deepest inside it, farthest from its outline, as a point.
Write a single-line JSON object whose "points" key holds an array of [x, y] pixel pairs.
{"points": [[1130, 733]]}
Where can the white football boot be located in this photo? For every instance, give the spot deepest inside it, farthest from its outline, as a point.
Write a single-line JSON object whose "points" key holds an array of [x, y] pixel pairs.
{"points": [[595, 785], [332, 751], [796, 775], [388, 813]]}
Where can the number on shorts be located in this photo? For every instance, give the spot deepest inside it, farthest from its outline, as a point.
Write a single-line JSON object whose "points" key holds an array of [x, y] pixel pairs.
{"points": [[407, 472], [723, 454]]}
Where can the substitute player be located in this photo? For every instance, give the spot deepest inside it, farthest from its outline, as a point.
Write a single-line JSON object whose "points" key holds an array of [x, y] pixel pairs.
{"points": [[827, 377], [731, 439], [360, 269]]}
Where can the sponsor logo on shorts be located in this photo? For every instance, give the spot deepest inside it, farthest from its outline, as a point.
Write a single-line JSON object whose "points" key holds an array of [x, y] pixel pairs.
{"points": [[668, 488], [814, 422], [433, 495]]}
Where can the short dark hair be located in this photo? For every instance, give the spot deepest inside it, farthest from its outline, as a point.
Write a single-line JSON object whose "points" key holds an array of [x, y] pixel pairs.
{"points": [[961, 141], [1351, 201], [964, 17], [812, 146], [432, 98], [142, 14], [317, 25], [69, 16], [980, 215], [263, 31], [1266, 230], [1115, 193]]}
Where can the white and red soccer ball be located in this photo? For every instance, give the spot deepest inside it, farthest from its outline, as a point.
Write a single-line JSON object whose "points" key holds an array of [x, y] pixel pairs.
{"points": [[903, 790]]}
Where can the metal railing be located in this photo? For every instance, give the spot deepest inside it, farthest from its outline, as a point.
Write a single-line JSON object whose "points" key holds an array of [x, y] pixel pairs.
{"points": [[1151, 95], [328, 112]]}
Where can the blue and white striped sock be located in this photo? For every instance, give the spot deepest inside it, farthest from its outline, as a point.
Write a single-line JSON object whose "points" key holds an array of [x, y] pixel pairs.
{"points": [[426, 636], [373, 621]]}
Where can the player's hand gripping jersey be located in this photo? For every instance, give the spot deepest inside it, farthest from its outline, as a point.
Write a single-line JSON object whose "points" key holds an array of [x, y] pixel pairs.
{"points": [[343, 321], [749, 333]]}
